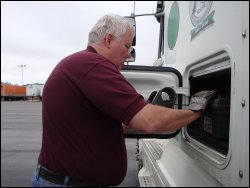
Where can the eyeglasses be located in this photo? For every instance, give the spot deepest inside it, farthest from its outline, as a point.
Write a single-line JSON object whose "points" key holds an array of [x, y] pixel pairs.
{"points": [[129, 48]]}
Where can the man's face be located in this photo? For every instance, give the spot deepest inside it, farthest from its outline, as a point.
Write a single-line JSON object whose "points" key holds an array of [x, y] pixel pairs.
{"points": [[120, 49]]}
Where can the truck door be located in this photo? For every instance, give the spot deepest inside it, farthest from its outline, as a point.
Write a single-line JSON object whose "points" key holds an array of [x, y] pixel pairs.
{"points": [[148, 80]]}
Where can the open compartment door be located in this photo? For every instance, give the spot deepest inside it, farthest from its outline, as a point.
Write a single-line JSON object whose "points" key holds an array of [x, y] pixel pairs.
{"points": [[159, 80]]}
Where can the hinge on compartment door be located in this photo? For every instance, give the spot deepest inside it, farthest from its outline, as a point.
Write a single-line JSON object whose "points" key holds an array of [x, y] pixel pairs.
{"points": [[183, 90]]}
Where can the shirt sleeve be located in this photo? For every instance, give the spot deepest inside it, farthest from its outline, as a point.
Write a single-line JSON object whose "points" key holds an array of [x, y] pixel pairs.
{"points": [[107, 89]]}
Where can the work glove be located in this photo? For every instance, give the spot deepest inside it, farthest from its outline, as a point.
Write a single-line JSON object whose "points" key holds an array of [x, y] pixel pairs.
{"points": [[199, 101]]}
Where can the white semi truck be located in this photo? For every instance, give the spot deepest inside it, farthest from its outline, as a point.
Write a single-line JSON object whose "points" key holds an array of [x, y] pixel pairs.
{"points": [[203, 45]]}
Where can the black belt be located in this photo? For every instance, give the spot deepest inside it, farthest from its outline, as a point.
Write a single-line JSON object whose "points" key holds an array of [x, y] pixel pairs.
{"points": [[59, 179]]}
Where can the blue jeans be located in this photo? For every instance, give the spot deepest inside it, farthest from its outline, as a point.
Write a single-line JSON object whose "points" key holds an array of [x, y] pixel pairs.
{"points": [[38, 181]]}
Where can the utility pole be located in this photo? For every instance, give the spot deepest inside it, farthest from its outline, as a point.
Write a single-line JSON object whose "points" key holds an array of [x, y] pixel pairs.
{"points": [[22, 66]]}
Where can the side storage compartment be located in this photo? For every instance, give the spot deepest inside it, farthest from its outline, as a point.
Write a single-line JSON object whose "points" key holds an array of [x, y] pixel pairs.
{"points": [[212, 129]]}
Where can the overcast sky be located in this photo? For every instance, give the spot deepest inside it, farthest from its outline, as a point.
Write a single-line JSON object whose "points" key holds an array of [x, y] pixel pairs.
{"points": [[40, 34]]}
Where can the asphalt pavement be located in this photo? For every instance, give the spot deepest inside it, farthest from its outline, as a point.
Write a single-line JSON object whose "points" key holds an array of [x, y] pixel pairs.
{"points": [[21, 132]]}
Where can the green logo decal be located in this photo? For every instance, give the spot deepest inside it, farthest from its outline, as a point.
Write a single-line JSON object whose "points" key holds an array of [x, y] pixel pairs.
{"points": [[173, 25], [199, 15]]}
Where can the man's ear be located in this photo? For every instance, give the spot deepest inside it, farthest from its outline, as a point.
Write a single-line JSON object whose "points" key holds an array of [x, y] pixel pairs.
{"points": [[108, 38]]}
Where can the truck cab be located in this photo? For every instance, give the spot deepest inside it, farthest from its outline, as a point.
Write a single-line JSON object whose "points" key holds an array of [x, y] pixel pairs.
{"points": [[203, 45]]}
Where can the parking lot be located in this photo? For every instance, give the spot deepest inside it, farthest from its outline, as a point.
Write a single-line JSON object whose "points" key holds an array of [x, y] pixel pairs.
{"points": [[21, 131]]}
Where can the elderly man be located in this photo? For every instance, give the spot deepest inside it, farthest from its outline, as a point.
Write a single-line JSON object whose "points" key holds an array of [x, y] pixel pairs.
{"points": [[86, 102]]}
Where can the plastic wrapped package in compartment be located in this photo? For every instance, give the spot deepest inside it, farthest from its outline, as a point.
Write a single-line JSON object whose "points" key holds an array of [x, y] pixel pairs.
{"points": [[216, 118]]}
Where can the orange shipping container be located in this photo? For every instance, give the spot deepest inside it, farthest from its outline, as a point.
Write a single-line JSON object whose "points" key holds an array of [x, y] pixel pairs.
{"points": [[11, 90]]}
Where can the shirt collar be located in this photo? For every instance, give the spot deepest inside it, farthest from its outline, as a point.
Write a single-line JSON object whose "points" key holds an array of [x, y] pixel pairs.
{"points": [[91, 49]]}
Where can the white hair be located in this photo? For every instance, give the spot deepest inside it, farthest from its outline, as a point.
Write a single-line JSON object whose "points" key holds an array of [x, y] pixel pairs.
{"points": [[110, 23]]}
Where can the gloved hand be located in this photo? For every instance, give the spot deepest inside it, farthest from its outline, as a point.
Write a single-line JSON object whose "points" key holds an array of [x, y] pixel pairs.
{"points": [[200, 100]]}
